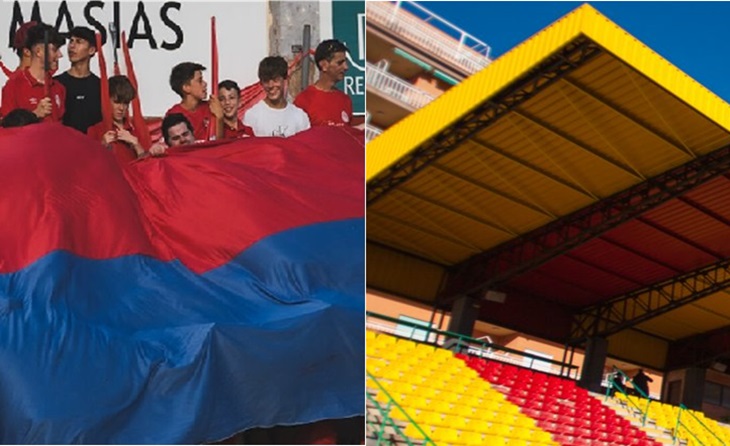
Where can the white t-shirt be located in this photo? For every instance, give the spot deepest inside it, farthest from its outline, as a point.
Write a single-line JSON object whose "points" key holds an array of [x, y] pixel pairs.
{"points": [[267, 121]]}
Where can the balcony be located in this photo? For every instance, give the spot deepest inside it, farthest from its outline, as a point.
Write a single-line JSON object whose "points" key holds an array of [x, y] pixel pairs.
{"points": [[435, 35], [371, 132], [391, 86]]}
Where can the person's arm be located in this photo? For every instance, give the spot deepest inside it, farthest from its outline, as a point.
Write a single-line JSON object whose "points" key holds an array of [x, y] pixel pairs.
{"points": [[133, 141]]}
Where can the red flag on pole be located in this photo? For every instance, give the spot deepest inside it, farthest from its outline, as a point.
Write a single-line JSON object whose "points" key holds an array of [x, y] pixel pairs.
{"points": [[143, 132], [213, 71], [106, 105]]}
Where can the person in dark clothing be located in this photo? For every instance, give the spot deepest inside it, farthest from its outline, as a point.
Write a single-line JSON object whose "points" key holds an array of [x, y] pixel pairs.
{"points": [[19, 117], [618, 381], [83, 88], [641, 382]]}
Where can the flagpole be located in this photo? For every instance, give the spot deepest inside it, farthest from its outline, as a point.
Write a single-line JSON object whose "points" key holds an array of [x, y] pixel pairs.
{"points": [[214, 73]]}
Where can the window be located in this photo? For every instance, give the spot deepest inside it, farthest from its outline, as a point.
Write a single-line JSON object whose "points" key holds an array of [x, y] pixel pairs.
{"points": [[411, 332], [713, 393]]}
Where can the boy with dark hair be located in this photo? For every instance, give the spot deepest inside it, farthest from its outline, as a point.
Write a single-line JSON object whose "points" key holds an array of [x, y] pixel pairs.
{"points": [[83, 88], [186, 79], [229, 95], [275, 115], [122, 139], [27, 89], [325, 104]]}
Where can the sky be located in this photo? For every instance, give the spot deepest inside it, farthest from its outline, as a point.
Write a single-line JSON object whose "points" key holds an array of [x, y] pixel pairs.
{"points": [[694, 36]]}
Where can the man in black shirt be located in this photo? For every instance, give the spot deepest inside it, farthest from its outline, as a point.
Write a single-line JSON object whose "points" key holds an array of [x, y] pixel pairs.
{"points": [[83, 88]]}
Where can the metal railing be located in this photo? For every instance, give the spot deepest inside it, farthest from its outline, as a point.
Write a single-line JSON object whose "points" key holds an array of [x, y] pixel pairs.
{"points": [[437, 36], [466, 344], [380, 79], [371, 132], [612, 385], [387, 420], [679, 424]]}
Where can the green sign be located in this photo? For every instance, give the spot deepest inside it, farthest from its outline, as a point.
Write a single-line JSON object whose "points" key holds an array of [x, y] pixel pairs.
{"points": [[348, 26]]}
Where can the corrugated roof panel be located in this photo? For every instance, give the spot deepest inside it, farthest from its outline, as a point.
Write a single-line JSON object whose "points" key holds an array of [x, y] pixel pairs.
{"points": [[650, 104], [556, 195], [688, 222], [471, 232], [611, 135], [626, 47], [403, 237], [656, 244], [395, 272], [685, 321], [472, 199], [714, 195], [718, 303], [625, 263], [587, 277]]}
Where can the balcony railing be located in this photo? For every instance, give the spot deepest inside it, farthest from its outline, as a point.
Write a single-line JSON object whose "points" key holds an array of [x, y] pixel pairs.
{"points": [[371, 132], [380, 79], [437, 36]]}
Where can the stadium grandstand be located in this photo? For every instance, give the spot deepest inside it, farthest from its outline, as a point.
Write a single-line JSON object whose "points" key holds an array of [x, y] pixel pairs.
{"points": [[543, 228]]}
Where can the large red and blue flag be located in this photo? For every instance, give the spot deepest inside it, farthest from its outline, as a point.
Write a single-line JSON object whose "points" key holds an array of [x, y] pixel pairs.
{"points": [[179, 299]]}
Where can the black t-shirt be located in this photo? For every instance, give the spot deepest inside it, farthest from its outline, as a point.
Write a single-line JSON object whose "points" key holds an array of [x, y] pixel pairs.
{"points": [[83, 100]]}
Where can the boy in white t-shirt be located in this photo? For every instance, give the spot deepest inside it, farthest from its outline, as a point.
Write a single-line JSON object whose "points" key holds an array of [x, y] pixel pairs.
{"points": [[274, 115]]}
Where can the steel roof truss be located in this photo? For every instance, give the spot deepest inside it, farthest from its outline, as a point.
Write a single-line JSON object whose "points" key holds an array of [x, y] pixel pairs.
{"points": [[510, 259], [639, 306], [544, 75], [577, 86]]}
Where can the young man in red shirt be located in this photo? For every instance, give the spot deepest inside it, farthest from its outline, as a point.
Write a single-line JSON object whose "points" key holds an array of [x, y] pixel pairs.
{"points": [[229, 95], [122, 139], [325, 104], [186, 79], [27, 89]]}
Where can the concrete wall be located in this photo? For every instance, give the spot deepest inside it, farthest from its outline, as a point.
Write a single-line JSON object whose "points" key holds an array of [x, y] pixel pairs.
{"points": [[286, 21]]}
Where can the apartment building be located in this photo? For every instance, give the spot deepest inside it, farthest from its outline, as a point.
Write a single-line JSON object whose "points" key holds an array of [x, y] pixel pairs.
{"points": [[413, 56]]}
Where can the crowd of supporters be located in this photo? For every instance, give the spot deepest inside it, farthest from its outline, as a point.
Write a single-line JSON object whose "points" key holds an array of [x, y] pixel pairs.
{"points": [[31, 95]]}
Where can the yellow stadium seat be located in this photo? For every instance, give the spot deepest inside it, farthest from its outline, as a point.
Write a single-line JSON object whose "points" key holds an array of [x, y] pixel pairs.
{"points": [[470, 438], [495, 440], [413, 431], [417, 403], [455, 422], [404, 346], [429, 418], [444, 435]]}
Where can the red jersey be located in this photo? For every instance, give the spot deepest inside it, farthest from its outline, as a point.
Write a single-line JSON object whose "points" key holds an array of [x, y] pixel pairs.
{"points": [[22, 90], [325, 107], [201, 118], [240, 132], [121, 150]]}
